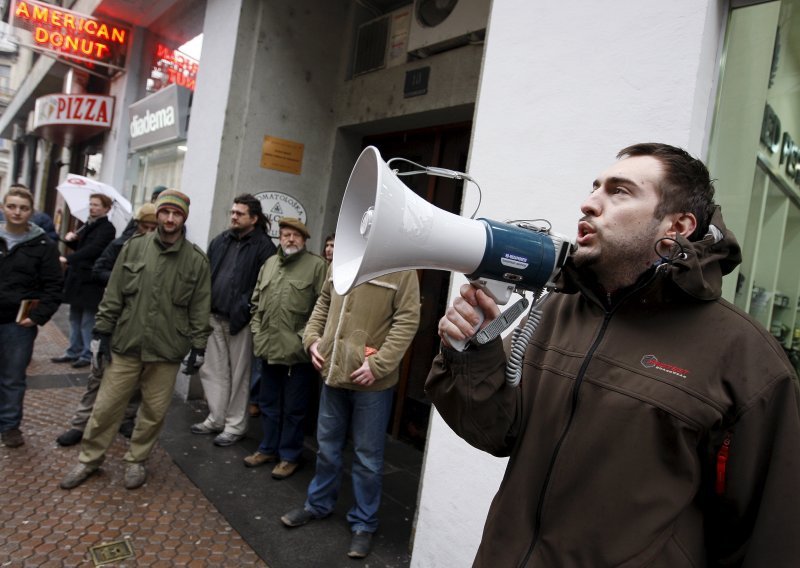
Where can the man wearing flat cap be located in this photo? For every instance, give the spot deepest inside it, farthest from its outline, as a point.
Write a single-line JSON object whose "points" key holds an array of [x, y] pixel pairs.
{"points": [[284, 297], [155, 310]]}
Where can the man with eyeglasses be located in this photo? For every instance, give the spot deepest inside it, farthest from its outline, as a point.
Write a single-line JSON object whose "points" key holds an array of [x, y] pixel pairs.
{"points": [[236, 256]]}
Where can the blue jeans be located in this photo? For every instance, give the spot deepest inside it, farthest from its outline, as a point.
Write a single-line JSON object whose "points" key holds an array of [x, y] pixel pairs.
{"points": [[255, 380], [16, 349], [283, 399], [81, 323], [367, 414]]}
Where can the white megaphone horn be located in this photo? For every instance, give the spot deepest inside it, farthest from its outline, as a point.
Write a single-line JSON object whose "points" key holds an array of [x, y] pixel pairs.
{"points": [[385, 227]]}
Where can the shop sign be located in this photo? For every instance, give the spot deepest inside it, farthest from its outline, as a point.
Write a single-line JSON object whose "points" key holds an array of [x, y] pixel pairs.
{"points": [[282, 155], [159, 118], [277, 205], [70, 35], [777, 140], [171, 66], [81, 110]]}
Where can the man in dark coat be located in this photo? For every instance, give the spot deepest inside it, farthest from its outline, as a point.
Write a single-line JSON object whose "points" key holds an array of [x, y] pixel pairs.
{"points": [[82, 292], [236, 256], [29, 276]]}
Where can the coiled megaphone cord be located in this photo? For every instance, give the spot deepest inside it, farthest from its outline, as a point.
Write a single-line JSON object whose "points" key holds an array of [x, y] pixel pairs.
{"points": [[520, 338], [440, 172]]}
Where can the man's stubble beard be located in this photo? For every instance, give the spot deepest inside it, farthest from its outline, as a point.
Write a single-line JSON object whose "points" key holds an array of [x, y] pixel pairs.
{"points": [[621, 261]]}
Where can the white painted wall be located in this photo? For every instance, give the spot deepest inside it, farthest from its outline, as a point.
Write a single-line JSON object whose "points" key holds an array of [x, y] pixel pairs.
{"points": [[565, 85]]}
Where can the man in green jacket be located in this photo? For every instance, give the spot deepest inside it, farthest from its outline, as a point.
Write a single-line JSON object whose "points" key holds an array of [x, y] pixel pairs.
{"points": [[155, 310], [284, 296], [357, 342]]}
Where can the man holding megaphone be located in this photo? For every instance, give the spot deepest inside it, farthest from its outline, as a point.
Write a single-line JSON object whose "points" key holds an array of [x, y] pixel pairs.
{"points": [[655, 423]]}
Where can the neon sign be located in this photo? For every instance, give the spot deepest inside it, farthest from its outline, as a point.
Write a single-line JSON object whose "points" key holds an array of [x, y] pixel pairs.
{"points": [[173, 67], [72, 35]]}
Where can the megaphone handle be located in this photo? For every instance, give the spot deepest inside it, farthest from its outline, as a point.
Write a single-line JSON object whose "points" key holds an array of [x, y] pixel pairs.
{"points": [[461, 344]]}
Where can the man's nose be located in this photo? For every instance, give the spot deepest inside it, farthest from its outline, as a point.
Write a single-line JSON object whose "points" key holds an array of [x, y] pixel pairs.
{"points": [[591, 205]]}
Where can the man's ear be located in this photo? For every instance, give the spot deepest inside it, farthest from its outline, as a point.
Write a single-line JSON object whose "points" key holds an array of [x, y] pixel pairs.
{"points": [[682, 224]]}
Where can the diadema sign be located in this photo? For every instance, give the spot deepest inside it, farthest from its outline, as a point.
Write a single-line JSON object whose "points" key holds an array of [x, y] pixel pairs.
{"points": [[159, 118], [277, 205]]}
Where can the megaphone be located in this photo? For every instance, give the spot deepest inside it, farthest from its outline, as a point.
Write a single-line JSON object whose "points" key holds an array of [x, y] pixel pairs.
{"points": [[385, 227]]}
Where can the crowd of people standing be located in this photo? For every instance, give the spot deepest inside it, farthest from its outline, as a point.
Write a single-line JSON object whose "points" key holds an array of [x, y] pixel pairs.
{"points": [[257, 323]]}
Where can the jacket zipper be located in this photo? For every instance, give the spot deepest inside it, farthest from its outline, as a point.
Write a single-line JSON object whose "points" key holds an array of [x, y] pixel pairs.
{"points": [[575, 390]]}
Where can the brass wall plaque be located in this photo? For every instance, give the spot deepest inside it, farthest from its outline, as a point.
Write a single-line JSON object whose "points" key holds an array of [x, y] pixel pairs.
{"points": [[282, 155]]}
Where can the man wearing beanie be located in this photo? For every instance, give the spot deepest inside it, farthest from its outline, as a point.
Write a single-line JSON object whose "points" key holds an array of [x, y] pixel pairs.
{"points": [[284, 296], [143, 222], [236, 255], [155, 311]]}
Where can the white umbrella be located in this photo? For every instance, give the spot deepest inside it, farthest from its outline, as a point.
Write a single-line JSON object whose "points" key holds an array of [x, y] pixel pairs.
{"points": [[76, 191]]}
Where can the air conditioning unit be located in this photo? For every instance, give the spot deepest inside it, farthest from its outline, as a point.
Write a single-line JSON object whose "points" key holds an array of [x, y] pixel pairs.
{"points": [[383, 42], [439, 25]]}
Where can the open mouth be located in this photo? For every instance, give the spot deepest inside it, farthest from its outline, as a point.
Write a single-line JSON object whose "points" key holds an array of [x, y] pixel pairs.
{"points": [[585, 231]]}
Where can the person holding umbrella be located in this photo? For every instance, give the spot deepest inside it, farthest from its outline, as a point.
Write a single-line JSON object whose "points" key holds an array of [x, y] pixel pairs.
{"points": [[82, 292]]}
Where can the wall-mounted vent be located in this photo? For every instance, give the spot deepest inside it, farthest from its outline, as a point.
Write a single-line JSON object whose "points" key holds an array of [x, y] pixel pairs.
{"points": [[382, 42]]}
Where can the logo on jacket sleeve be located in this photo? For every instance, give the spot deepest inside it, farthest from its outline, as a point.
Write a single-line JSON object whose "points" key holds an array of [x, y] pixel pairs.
{"points": [[652, 362]]}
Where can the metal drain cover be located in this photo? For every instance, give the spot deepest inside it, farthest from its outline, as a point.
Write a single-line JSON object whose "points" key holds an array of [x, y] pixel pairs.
{"points": [[111, 552]]}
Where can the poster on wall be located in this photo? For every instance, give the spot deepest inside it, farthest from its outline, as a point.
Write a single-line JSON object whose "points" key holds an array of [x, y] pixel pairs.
{"points": [[276, 205]]}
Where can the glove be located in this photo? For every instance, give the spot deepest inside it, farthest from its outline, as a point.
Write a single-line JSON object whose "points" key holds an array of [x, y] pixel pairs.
{"points": [[100, 346], [193, 361]]}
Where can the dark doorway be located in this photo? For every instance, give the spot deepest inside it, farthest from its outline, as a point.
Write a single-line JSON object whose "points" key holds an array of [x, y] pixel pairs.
{"points": [[444, 147]]}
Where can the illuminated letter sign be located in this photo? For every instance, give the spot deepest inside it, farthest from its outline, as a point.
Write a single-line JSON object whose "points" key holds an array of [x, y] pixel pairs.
{"points": [[71, 35], [171, 66]]}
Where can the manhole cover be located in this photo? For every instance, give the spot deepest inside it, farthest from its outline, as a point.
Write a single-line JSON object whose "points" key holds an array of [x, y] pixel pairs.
{"points": [[111, 552]]}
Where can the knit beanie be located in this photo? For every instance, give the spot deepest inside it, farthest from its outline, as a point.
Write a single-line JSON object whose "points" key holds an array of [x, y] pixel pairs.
{"points": [[174, 199], [146, 213]]}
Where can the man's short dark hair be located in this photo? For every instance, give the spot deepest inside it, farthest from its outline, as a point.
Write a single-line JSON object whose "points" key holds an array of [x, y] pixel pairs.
{"points": [[254, 207], [686, 187]]}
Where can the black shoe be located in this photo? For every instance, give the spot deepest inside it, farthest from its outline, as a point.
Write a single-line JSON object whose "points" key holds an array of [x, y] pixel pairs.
{"points": [[297, 517], [70, 437], [360, 544], [81, 363], [12, 438], [64, 359], [126, 429]]}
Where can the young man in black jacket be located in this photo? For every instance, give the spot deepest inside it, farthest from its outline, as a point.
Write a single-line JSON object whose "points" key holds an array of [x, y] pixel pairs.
{"points": [[81, 291], [29, 270], [236, 256]]}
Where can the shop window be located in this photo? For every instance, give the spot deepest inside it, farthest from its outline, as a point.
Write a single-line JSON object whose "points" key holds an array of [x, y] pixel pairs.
{"points": [[754, 154]]}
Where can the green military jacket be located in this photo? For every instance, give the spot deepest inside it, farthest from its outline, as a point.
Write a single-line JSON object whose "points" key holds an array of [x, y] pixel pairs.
{"points": [[158, 300], [283, 299], [381, 315]]}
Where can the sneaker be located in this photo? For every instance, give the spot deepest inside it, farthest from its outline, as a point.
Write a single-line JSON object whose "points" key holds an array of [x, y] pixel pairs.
{"points": [[297, 517], [227, 439], [77, 475], [12, 438], [135, 475], [126, 429], [284, 469], [81, 363], [70, 437], [360, 544], [253, 410], [258, 459], [64, 359], [202, 428]]}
